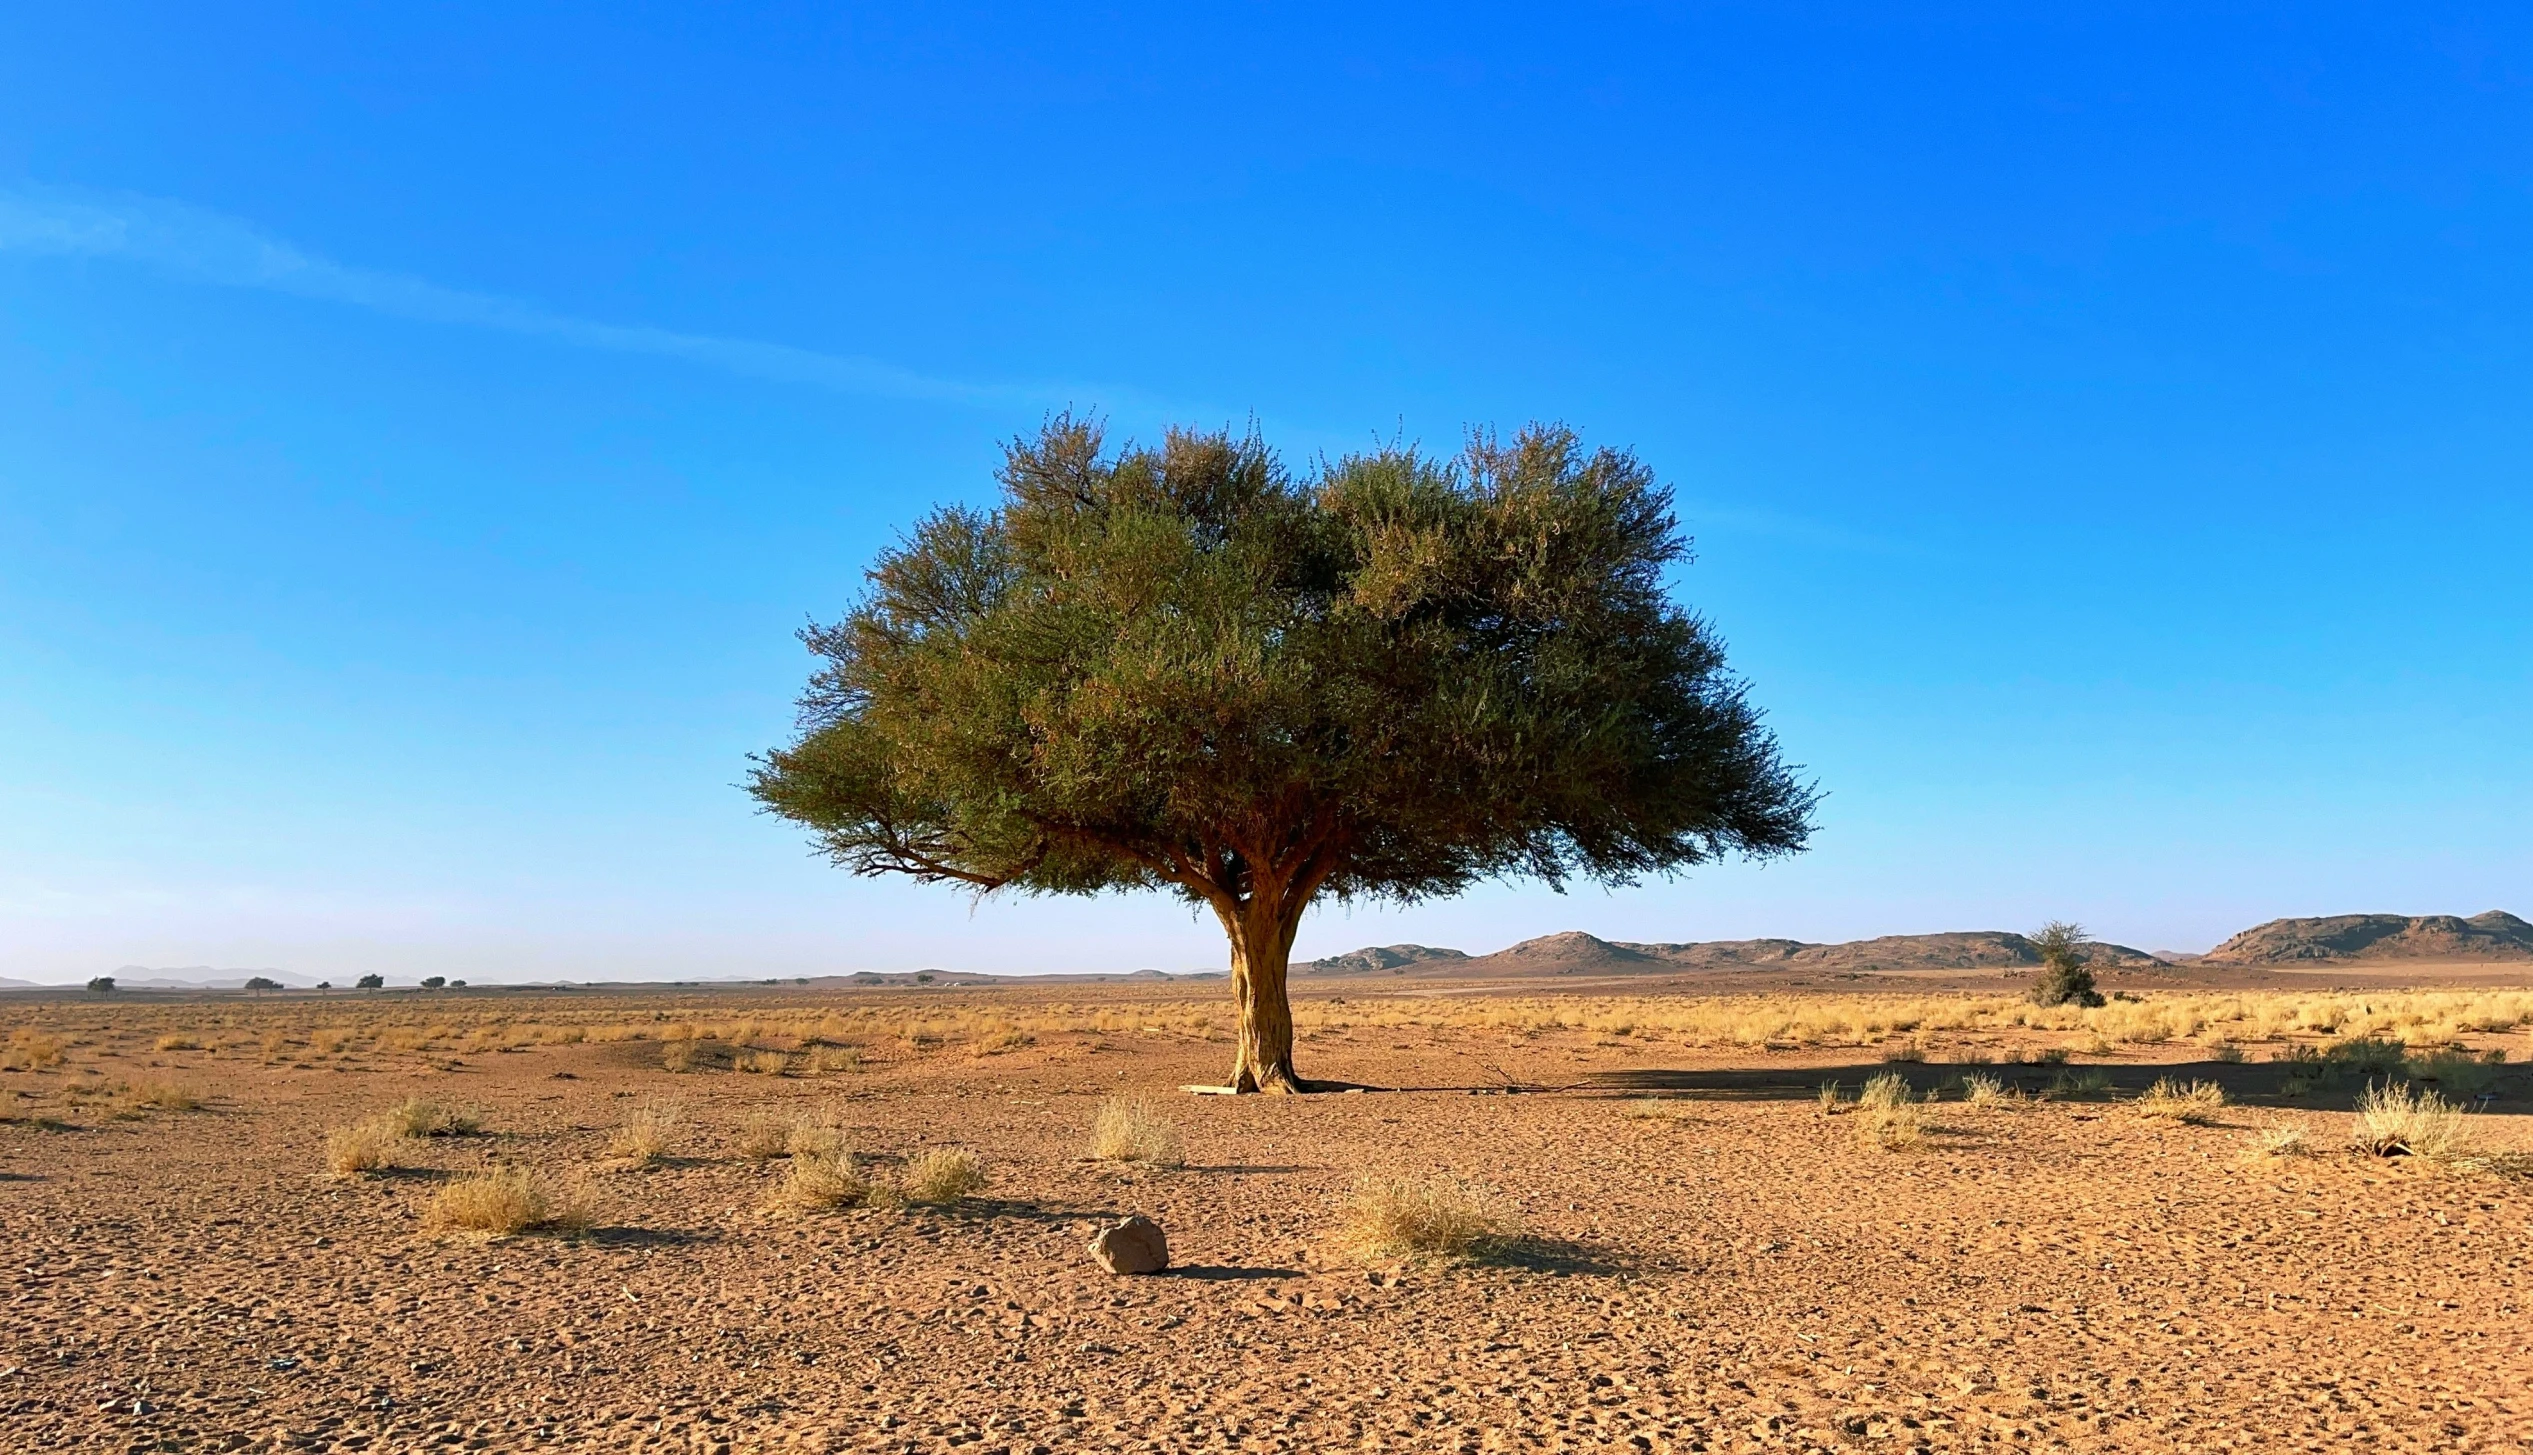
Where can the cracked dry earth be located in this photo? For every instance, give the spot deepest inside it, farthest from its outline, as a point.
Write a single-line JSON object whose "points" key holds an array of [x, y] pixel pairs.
{"points": [[1740, 1275]]}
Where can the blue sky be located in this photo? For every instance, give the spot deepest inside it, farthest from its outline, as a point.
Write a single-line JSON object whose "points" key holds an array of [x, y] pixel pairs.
{"points": [[422, 428]]}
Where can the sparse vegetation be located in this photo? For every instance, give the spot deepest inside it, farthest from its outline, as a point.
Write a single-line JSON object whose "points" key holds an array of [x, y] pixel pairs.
{"points": [[29, 1050], [763, 1063], [1427, 1217], [1133, 1129], [765, 1137], [2272, 1142], [1830, 1098], [164, 1095], [648, 1133], [1981, 1090], [2195, 1103], [2064, 977], [2395, 1119], [1888, 1114], [422, 1117], [363, 1147], [679, 1056], [505, 1202], [943, 1176]]}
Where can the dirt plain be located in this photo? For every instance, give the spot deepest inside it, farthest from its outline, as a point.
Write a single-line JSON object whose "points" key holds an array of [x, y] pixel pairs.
{"points": [[1710, 1261]]}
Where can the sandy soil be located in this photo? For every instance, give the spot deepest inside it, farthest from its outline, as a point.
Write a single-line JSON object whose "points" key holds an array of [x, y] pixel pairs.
{"points": [[2063, 1274]]}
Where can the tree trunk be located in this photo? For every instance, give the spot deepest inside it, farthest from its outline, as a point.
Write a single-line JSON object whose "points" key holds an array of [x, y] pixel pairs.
{"points": [[1261, 950]]}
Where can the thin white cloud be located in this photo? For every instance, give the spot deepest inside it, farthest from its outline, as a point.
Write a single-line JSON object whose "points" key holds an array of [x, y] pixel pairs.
{"points": [[207, 247]]}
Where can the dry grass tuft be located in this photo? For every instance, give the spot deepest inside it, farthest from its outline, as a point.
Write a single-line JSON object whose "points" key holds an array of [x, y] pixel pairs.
{"points": [[178, 1043], [504, 1202], [418, 1116], [815, 1135], [943, 1176], [995, 1043], [1132, 1129], [2195, 1103], [2281, 1142], [1427, 1217], [763, 1063], [368, 1146], [164, 1095], [2398, 1120], [30, 1050], [765, 1137], [1657, 1109], [2457, 1074], [1830, 1099], [1888, 1114], [679, 1056], [823, 1059], [647, 1135], [816, 1183], [1981, 1090]]}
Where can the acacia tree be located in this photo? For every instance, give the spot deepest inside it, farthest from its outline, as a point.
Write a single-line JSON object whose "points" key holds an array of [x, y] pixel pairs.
{"points": [[1184, 668]]}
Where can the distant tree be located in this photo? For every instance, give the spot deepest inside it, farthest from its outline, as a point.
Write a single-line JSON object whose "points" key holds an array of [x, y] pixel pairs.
{"points": [[258, 982], [369, 982], [2064, 977], [457, 985], [434, 982], [325, 985], [1182, 668], [101, 985]]}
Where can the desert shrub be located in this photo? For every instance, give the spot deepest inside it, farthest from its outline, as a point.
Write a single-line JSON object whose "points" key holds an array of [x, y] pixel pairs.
{"points": [[2366, 1056], [765, 1137], [833, 1058], [179, 1043], [763, 1063], [2080, 1083], [944, 1175], [679, 1056], [2195, 1102], [368, 1146], [648, 1133], [2457, 1074], [419, 1116], [503, 1202], [29, 1050], [1899, 1053], [1829, 1099], [1887, 1090], [2395, 1119], [2064, 977], [815, 1135], [1009, 1038], [164, 1095], [1133, 1129], [1982, 1090], [815, 1183], [1656, 1109], [1427, 1217], [2281, 1142], [2050, 1056]]}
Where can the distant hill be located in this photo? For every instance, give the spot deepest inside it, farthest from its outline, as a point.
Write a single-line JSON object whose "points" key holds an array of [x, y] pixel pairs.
{"points": [[2496, 935], [1379, 960], [204, 977], [1576, 953]]}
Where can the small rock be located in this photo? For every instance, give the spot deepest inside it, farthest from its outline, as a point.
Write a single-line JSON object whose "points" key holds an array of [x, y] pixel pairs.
{"points": [[1133, 1245]]}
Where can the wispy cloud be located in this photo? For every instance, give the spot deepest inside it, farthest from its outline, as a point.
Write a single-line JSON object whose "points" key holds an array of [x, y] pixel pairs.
{"points": [[207, 247]]}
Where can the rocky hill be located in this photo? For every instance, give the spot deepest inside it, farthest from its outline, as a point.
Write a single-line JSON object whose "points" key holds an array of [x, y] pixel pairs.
{"points": [[2496, 935], [1576, 953]]}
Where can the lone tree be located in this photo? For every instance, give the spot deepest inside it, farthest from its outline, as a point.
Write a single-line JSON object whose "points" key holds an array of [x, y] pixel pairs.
{"points": [[369, 982], [101, 985], [2064, 976], [1187, 669]]}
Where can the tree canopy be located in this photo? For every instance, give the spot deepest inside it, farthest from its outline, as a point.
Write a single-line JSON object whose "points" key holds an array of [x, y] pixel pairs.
{"points": [[1186, 668]]}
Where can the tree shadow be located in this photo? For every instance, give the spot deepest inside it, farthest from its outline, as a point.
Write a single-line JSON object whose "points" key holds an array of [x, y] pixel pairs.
{"points": [[1534, 1253], [631, 1237], [2257, 1083], [1217, 1273]]}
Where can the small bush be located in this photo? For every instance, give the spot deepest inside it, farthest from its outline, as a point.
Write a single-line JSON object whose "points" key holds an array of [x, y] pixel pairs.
{"points": [[2366, 1056], [822, 1059], [1903, 1053], [2195, 1103], [504, 1202], [2398, 1120], [30, 1050], [418, 1116], [1132, 1129], [1427, 1217], [2227, 1053], [164, 1095], [1829, 1099], [679, 1056], [2080, 1083], [944, 1175], [368, 1146], [995, 1043], [814, 1184], [2281, 1142], [647, 1135], [2051, 1056], [1885, 1091], [1982, 1090], [179, 1043], [764, 1063], [2064, 977], [2457, 1074], [764, 1138]]}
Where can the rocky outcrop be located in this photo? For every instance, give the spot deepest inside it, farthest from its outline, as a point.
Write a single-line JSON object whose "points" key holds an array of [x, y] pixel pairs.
{"points": [[2495, 935]]}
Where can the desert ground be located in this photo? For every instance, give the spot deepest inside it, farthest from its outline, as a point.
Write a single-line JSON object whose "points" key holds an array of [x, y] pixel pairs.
{"points": [[1681, 1248]]}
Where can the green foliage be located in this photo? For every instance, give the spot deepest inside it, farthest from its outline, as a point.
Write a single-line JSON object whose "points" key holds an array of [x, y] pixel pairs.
{"points": [[261, 983], [2064, 978], [434, 982], [1180, 668], [101, 985], [369, 982]]}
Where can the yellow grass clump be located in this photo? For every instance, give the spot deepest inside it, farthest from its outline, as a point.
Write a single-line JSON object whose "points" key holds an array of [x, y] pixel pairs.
{"points": [[822, 1059], [1888, 1114], [178, 1043], [944, 1175], [764, 1138], [1133, 1129], [2279, 1142], [817, 1183], [2398, 1120], [1427, 1217], [763, 1063], [363, 1147], [2194, 1103], [648, 1133], [679, 1056], [504, 1202], [29, 1050]]}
